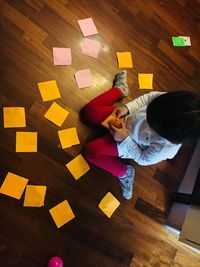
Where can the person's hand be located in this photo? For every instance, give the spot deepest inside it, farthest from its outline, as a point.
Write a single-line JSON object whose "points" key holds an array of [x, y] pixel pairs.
{"points": [[119, 134], [121, 111]]}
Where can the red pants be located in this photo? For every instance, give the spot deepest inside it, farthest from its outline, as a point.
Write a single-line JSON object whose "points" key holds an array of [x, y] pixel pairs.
{"points": [[102, 151]]}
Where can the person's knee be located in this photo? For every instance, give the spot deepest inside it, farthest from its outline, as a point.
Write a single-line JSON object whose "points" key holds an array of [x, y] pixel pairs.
{"points": [[89, 112], [90, 151]]}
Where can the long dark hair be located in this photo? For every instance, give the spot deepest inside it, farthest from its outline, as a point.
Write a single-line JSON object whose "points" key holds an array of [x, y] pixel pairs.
{"points": [[176, 116]]}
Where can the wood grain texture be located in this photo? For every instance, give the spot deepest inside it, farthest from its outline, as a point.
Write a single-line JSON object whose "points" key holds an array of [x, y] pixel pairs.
{"points": [[135, 235]]}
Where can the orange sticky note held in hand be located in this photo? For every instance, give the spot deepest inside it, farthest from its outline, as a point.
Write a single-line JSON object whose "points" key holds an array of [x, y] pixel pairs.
{"points": [[116, 123], [112, 120]]}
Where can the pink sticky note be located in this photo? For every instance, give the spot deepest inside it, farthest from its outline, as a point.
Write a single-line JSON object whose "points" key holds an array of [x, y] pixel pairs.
{"points": [[83, 78], [62, 56], [87, 26], [90, 47]]}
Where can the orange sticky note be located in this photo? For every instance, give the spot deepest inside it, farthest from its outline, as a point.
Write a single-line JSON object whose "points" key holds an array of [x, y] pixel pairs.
{"points": [[78, 166], [145, 80], [34, 196], [109, 204], [62, 213], [124, 59], [68, 137], [26, 142], [56, 114], [49, 90], [14, 117], [13, 185], [111, 117]]}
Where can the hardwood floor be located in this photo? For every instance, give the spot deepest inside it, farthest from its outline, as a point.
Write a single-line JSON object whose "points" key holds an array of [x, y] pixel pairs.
{"points": [[135, 235]]}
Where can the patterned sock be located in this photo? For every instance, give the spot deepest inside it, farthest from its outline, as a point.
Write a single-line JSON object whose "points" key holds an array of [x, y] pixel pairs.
{"points": [[120, 82]]}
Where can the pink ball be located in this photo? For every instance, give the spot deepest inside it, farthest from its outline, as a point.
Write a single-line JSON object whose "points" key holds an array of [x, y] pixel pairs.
{"points": [[55, 262]]}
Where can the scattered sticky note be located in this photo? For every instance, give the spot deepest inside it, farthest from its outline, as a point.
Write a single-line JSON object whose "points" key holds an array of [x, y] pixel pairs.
{"points": [[26, 141], [62, 213], [78, 166], [62, 56], [83, 78], [14, 117], [87, 26], [145, 80], [109, 204], [56, 114], [49, 90], [34, 196], [187, 40], [13, 185], [178, 41], [124, 59], [90, 47], [68, 137], [111, 117]]}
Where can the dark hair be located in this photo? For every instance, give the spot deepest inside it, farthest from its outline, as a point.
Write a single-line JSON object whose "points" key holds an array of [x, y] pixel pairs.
{"points": [[175, 116]]}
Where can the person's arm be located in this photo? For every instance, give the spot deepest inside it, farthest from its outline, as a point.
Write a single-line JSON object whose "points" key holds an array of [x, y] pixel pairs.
{"points": [[136, 104], [157, 151], [142, 101]]}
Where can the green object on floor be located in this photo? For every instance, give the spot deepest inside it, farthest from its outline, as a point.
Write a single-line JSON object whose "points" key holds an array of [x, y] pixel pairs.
{"points": [[178, 41]]}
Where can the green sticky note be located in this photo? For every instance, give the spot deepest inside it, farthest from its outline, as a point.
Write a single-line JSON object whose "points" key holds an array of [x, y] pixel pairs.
{"points": [[178, 41]]}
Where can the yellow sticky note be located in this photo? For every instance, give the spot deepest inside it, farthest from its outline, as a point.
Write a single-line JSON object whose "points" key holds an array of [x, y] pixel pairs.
{"points": [[56, 114], [124, 59], [26, 142], [14, 117], [145, 80], [34, 196], [49, 90], [109, 204], [68, 137], [78, 166], [62, 213], [13, 185]]}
